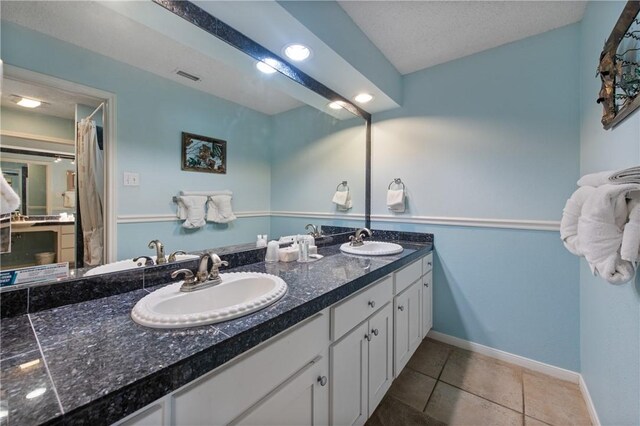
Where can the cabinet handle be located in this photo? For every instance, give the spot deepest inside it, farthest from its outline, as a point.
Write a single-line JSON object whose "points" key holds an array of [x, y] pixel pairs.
{"points": [[426, 284], [375, 331], [322, 380], [368, 337], [428, 263], [401, 308], [372, 303]]}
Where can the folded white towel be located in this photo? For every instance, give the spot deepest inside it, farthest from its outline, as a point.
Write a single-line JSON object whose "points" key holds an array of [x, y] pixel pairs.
{"points": [[570, 215], [630, 249], [191, 209], [630, 175], [342, 199], [219, 209], [9, 200], [69, 199], [604, 214], [595, 179], [395, 200]]}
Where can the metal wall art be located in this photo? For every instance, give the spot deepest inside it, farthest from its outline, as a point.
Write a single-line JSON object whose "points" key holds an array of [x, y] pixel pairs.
{"points": [[619, 68]]}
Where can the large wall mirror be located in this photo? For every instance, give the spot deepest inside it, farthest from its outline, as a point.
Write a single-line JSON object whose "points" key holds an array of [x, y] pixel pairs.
{"points": [[144, 77]]}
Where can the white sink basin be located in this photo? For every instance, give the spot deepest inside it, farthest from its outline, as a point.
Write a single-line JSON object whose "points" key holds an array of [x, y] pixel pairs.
{"points": [[373, 248], [123, 265], [240, 293]]}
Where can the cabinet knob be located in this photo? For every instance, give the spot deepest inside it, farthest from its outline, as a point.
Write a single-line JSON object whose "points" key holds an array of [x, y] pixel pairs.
{"points": [[368, 337], [375, 331], [372, 303], [428, 263], [426, 284], [401, 308], [322, 380]]}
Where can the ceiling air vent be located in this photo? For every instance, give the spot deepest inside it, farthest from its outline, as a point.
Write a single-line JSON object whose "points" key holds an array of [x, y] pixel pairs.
{"points": [[187, 75]]}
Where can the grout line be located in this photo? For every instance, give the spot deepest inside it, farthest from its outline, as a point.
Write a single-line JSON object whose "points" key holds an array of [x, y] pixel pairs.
{"points": [[438, 379], [46, 366]]}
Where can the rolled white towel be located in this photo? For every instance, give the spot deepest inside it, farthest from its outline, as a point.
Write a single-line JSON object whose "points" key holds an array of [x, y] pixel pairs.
{"points": [[9, 200], [630, 249], [395, 200], [219, 209], [342, 199], [630, 175], [595, 179], [191, 208], [570, 215], [604, 214]]}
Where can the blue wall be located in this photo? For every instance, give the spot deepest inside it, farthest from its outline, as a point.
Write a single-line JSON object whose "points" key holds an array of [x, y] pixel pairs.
{"points": [[609, 314], [493, 135]]}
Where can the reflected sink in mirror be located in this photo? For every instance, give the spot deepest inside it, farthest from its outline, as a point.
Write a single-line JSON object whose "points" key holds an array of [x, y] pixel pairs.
{"points": [[372, 248], [23, 223], [239, 294], [123, 265]]}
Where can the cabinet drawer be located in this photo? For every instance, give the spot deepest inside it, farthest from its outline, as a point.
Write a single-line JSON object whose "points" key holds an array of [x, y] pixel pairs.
{"points": [[223, 395], [67, 255], [67, 230], [357, 308], [67, 241], [407, 276], [427, 263]]}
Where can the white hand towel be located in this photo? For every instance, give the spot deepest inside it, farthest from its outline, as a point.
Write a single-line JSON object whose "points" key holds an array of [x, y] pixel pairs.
{"points": [[342, 199], [395, 200], [191, 207], [630, 249], [9, 200], [570, 215], [595, 179], [69, 199], [219, 209], [604, 214]]}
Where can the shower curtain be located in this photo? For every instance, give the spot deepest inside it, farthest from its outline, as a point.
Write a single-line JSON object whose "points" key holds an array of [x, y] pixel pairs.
{"points": [[90, 192]]}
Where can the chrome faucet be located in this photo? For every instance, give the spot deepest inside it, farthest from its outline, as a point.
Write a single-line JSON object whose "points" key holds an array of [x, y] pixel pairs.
{"points": [[314, 230], [147, 261], [356, 240], [157, 244], [172, 256], [204, 277]]}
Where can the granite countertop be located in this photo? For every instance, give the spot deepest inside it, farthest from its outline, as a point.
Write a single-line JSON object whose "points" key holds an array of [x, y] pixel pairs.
{"points": [[89, 363]]}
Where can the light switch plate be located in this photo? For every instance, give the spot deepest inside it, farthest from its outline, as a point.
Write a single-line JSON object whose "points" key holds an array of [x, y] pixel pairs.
{"points": [[131, 179]]}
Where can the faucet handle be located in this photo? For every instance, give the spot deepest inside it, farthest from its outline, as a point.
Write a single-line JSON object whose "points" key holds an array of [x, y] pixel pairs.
{"points": [[216, 264], [147, 260], [172, 256], [189, 277]]}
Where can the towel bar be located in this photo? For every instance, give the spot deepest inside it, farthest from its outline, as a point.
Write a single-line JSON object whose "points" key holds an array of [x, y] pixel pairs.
{"points": [[397, 181]]}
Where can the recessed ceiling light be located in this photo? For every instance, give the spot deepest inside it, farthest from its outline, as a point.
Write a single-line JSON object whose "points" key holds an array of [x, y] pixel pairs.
{"points": [[297, 52], [363, 98], [336, 105], [29, 103], [267, 66], [36, 393]]}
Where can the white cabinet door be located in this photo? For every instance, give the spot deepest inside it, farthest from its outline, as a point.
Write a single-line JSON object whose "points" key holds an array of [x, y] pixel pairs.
{"points": [[301, 400], [151, 415], [427, 303], [348, 378], [380, 355], [407, 323]]}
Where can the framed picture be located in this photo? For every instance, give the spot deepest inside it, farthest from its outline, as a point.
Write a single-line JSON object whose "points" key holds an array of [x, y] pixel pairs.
{"points": [[203, 154]]}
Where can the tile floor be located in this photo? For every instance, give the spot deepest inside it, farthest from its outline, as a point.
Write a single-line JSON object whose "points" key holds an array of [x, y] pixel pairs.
{"points": [[444, 385]]}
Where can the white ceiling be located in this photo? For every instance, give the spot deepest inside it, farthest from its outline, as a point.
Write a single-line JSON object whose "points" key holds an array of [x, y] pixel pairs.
{"points": [[415, 35]]}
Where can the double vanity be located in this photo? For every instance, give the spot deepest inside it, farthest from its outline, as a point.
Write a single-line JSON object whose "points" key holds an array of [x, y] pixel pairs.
{"points": [[318, 343]]}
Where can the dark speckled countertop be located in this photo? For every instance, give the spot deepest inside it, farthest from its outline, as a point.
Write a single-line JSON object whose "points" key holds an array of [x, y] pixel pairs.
{"points": [[89, 363]]}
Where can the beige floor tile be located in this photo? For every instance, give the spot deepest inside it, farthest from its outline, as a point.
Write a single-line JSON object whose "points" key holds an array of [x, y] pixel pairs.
{"points": [[412, 388], [457, 407], [554, 401], [530, 421], [487, 377], [391, 412], [430, 357]]}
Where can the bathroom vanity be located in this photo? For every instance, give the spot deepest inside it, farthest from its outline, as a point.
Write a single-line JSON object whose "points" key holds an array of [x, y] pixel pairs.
{"points": [[326, 353]]}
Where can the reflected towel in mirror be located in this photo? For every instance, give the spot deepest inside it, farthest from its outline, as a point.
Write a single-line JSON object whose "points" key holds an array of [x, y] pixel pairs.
{"points": [[191, 208], [219, 208], [69, 199], [9, 200]]}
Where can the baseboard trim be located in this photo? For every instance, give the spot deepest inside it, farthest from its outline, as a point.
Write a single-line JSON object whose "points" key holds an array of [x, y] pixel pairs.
{"points": [[589, 402], [540, 367]]}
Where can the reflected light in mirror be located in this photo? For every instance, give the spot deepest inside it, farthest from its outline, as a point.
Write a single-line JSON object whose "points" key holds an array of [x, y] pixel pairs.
{"points": [[363, 98], [29, 103], [297, 52], [336, 105], [36, 393], [3, 413], [267, 66], [29, 364]]}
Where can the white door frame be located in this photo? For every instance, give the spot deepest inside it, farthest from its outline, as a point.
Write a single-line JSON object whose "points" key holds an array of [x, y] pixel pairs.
{"points": [[110, 207]]}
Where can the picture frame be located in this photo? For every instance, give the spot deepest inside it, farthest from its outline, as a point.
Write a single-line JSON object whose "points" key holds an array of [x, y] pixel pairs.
{"points": [[203, 154], [619, 68]]}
